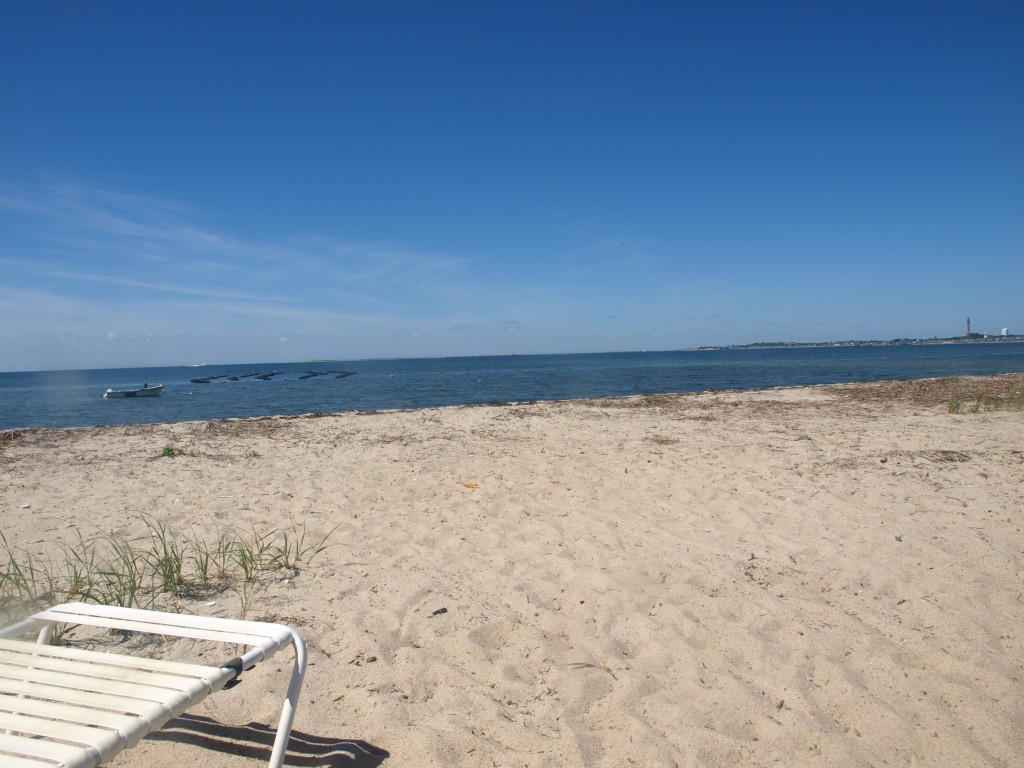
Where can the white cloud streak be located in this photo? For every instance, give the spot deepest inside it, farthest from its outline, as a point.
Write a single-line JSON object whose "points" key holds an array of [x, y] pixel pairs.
{"points": [[115, 270], [127, 240]]}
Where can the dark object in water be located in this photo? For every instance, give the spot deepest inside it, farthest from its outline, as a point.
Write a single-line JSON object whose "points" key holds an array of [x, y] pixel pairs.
{"points": [[318, 374]]}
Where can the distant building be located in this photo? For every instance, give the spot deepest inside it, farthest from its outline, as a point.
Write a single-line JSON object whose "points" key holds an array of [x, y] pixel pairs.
{"points": [[1006, 331]]}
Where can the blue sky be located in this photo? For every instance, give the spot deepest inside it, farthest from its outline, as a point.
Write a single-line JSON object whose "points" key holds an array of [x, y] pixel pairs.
{"points": [[197, 182]]}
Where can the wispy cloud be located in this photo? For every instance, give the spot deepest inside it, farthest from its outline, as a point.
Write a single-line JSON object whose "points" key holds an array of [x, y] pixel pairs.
{"points": [[135, 272], [160, 287], [37, 302], [125, 240]]}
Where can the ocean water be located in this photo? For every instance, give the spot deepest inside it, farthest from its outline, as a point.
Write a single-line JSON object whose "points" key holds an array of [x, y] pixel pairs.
{"points": [[74, 398]]}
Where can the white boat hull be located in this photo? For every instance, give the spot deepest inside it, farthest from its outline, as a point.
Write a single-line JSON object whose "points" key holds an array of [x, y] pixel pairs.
{"points": [[146, 391]]}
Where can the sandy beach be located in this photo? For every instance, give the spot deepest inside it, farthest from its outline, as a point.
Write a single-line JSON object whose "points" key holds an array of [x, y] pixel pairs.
{"points": [[826, 576]]}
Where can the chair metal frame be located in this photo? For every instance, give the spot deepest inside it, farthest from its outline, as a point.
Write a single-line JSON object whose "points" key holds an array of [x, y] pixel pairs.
{"points": [[66, 707]]}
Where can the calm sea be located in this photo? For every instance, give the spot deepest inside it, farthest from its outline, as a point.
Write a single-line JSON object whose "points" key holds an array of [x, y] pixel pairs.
{"points": [[74, 398]]}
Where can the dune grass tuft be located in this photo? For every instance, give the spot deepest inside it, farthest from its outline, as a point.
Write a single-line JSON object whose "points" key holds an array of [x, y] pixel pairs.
{"points": [[964, 403], [113, 570]]}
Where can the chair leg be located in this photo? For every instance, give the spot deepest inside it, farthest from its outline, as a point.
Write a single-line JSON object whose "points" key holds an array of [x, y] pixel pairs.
{"points": [[284, 727]]}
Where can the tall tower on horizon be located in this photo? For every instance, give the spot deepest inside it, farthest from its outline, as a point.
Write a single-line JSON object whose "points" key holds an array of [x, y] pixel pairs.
{"points": [[968, 326]]}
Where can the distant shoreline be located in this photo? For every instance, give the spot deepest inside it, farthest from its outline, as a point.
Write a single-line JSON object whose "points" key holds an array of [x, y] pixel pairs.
{"points": [[975, 339]]}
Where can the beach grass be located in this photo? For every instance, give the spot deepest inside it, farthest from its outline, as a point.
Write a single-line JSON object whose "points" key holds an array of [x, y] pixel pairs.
{"points": [[983, 394], [160, 565], [968, 403]]}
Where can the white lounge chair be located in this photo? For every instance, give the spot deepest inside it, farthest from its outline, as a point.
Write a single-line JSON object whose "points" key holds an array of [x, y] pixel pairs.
{"points": [[72, 708]]}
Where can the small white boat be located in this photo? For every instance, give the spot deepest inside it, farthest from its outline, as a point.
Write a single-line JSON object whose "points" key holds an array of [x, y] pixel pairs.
{"points": [[145, 391]]}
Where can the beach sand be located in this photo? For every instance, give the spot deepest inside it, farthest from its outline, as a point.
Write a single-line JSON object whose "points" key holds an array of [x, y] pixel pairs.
{"points": [[804, 576]]}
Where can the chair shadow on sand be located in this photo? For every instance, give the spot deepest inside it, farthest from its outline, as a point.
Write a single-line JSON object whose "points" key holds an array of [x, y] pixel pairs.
{"points": [[256, 740]]}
